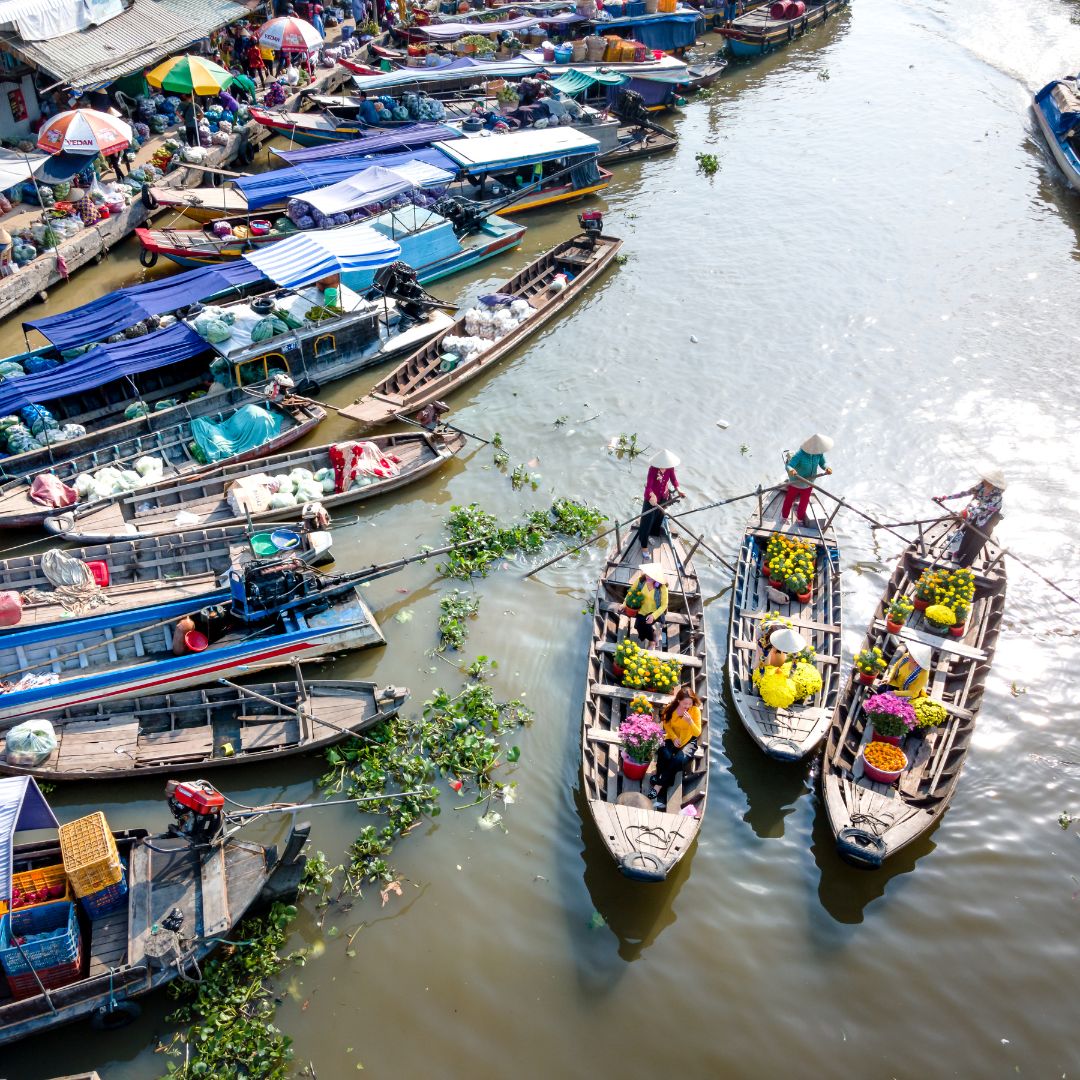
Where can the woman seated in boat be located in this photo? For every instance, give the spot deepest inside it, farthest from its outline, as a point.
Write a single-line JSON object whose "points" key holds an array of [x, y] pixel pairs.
{"points": [[980, 516], [778, 642], [910, 673], [681, 720], [369, 110], [652, 582]]}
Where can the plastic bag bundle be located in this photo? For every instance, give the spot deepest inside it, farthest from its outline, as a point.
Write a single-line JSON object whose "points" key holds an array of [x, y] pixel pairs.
{"points": [[38, 419], [266, 328], [136, 411], [465, 347], [282, 499], [213, 329], [72, 431], [149, 468], [165, 403], [35, 365], [9, 369], [30, 743]]}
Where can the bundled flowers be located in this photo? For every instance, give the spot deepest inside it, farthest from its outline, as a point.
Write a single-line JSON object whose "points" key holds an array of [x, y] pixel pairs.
{"points": [[900, 607], [793, 681], [791, 561], [641, 737], [891, 716], [940, 615], [885, 756], [929, 713], [640, 705], [870, 661]]}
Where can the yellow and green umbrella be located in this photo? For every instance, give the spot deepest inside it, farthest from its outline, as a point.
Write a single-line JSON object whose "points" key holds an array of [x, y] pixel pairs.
{"points": [[190, 75]]}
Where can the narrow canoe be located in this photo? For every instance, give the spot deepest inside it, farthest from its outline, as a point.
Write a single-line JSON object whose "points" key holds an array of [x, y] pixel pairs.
{"points": [[170, 440], [419, 379], [203, 499], [872, 821], [645, 843], [787, 734], [207, 728]]}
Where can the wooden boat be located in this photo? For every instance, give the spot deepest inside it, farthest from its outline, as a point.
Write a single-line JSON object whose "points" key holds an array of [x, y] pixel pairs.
{"points": [[786, 734], [703, 74], [1057, 111], [872, 821], [420, 379], [201, 204], [142, 572], [278, 613], [207, 728], [169, 439], [125, 955], [153, 510], [757, 32], [645, 842]]}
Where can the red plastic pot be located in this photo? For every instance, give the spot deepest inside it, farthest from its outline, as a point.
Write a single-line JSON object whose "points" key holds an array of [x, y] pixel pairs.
{"points": [[893, 627], [892, 740], [866, 680], [920, 605], [632, 770], [804, 597], [959, 630], [879, 776], [631, 612], [618, 669], [776, 583], [765, 569]]}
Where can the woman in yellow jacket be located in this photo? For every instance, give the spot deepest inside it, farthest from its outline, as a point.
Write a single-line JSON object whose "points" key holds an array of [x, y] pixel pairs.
{"points": [[681, 721], [910, 674], [651, 581]]}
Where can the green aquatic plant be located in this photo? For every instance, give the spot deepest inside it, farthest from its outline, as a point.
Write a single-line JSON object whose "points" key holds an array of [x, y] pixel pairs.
{"points": [[709, 164], [575, 518], [521, 476], [626, 446], [455, 609]]}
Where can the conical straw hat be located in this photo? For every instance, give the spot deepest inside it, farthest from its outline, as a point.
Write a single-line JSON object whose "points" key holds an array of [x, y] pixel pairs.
{"points": [[663, 459], [818, 444], [787, 640]]}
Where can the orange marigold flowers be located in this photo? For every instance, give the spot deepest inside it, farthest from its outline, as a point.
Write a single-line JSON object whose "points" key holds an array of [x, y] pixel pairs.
{"points": [[885, 756]]}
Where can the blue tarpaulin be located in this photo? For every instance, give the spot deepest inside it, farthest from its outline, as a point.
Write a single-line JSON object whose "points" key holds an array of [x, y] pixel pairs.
{"points": [[663, 31], [118, 310], [305, 257], [380, 142], [22, 809], [281, 184], [102, 364], [250, 426]]}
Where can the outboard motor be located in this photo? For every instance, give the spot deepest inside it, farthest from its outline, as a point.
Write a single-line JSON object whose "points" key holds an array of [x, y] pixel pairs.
{"points": [[592, 224], [464, 215], [398, 282], [630, 106], [198, 808], [261, 590]]}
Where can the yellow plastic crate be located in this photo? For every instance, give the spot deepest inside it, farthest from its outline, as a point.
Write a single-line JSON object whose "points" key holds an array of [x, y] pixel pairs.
{"points": [[90, 856]]}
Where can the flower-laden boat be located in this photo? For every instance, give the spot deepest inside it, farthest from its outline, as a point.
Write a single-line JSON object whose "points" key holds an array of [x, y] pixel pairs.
{"points": [[209, 727], [786, 727], [213, 498], [646, 843], [873, 819], [186, 889], [546, 287], [773, 25]]}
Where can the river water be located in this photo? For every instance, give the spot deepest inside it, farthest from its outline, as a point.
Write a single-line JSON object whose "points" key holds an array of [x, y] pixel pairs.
{"points": [[885, 255]]}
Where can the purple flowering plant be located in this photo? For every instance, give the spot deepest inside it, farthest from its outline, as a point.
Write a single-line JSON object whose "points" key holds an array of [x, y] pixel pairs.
{"points": [[891, 715], [641, 737]]}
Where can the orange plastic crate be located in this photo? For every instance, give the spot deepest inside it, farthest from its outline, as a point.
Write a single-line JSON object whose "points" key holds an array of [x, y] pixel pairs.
{"points": [[44, 877], [90, 856]]}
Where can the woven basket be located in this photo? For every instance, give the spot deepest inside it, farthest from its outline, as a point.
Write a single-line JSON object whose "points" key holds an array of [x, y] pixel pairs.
{"points": [[90, 856]]}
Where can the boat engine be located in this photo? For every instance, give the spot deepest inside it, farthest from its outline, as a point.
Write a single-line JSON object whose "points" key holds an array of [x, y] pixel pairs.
{"points": [[630, 106], [198, 808], [261, 590], [592, 224], [464, 215], [398, 282]]}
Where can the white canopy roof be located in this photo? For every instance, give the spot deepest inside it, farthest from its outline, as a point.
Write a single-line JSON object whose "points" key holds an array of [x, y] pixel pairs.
{"points": [[308, 256], [374, 184], [518, 147]]}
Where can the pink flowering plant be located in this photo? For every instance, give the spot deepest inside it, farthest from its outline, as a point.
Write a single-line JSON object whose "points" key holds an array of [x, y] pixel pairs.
{"points": [[891, 715], [641, 737]]}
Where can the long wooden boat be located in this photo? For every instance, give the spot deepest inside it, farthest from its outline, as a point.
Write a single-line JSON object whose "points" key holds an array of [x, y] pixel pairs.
{"points": [[154, 510], [421, 378], [645, 843], [201, 204], [756, 32], [1057, 111], [169, 439], [872, 821], [103, 658], [213, 885], [142, 572], [207, 728], [787, 734]]}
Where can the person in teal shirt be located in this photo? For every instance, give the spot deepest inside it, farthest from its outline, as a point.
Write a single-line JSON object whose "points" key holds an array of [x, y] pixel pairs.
{"points": [[245, 85], [804, 467]]}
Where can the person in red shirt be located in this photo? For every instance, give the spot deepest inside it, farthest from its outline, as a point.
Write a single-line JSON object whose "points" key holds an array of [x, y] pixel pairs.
{"points": [[661, 486], [256, 66]]}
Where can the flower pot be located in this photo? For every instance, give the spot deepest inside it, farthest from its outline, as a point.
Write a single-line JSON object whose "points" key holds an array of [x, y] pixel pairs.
{"points": [[633, 770], [893, 627], [935, 628], [631, 612], [892, 740], [920, 605], [879, 776], [765, 569], [958, 630], [618, 670], [776, 583], [804, 597], [864, 678]]}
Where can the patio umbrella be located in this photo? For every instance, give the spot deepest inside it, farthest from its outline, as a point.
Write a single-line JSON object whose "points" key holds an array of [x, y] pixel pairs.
{"points": [[290, 34], [84, 131], [190, 75]]}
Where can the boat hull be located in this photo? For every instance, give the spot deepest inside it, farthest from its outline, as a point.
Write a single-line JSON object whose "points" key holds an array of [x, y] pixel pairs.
{"points": [[1066, 158], [747, 39]]}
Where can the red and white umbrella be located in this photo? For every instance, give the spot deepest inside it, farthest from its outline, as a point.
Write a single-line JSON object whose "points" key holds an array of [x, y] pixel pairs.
{"points": [[84, 131], [290, 34]]}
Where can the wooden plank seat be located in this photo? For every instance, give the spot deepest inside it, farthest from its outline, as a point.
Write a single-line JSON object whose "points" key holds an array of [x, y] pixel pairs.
{"points": [[623, 694], [262, 733], [947, 644], [800, 624], [676, 618], [108, 942], [98, 744], [682, 658], [180, 745], [819, 658]]}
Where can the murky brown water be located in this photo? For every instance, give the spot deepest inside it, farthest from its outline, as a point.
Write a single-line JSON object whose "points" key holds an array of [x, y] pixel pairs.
{"points": [[887, 256]]}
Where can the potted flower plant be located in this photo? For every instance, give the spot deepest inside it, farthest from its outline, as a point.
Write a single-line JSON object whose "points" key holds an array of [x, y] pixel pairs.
{"points": [[900, 607], [634, 599], [939, 618], [926, 590], [893, 717], [640, 705], [961, 609], [929, 713], [626, 650], [799, 587], [869, 664], [883, 763], [641, 737]]}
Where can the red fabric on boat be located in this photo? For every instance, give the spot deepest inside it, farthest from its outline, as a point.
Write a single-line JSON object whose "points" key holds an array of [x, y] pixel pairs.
{"points": [[49, 490]]}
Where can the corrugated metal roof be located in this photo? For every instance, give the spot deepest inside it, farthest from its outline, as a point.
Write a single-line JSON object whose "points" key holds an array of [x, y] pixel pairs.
{"points": [[147, 32]]}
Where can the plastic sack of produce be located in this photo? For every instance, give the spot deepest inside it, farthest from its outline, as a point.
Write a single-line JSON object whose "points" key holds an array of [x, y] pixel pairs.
{"points": [[72, 431], [11, 607], [165, 403], [9, 369], [212, 329], [136, 411], [148, 466], [267, 328], [36, 364], [281, 500], [249, 427], [49, 490], [352, 460], [30, 743], [84, 485]]}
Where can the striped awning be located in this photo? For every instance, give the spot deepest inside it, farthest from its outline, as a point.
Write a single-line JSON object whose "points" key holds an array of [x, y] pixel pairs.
{"points": [[574, 81], [308, 256]]}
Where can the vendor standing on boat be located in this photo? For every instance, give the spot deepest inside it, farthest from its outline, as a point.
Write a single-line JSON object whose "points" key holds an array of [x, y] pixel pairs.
{"points": [[681, 721], [910, 673], [652, 581], [804, 467], [661, 487], [980, 516]]}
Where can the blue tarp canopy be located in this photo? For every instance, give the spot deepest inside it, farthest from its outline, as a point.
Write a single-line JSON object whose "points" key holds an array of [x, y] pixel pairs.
{"points": [[463, 68], [380, 142], [22, 809], [281, 184], [305, 257], [1061, 105], [448, 31], [118, 310], [663, 31], [574, 81], [102, 364]]}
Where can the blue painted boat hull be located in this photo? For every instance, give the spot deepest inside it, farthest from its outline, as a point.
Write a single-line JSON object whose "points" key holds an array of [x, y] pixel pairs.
{"points": [[1055, 124]]}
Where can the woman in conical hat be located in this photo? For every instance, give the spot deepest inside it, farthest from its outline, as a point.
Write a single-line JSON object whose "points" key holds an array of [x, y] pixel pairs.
{"points": [[804, 467], [980, 516], [909, 676], [652, 581], [661, 487]]}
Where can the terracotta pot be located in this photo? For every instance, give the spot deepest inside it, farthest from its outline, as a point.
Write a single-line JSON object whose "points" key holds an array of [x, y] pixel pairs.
{"points": [[893, 627], [765, 569], [866, 680], [776, 583], [892, 740], [920, 605], [804, 597], [630, 612], [632, 770], [958, 630]]}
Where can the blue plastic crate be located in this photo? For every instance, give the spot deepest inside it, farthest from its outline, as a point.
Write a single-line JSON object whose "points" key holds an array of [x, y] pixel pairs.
{"points": [[106, 901], [61, 947]]}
